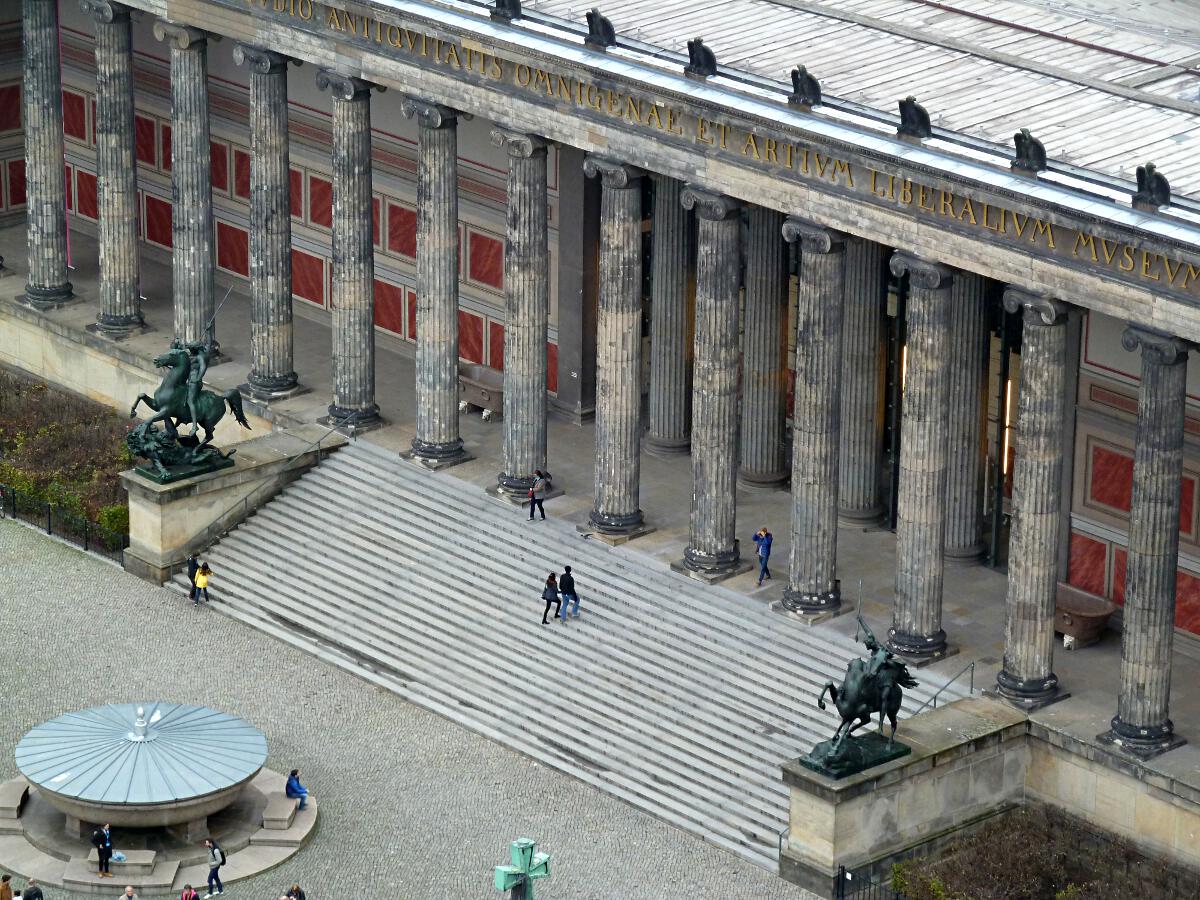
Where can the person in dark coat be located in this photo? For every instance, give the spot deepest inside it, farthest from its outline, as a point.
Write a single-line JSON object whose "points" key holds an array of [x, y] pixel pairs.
{"points": [[295, 789], [550, 595], [193, 567], [566, 587], [102, 841], [762, 541], [32, 891]]}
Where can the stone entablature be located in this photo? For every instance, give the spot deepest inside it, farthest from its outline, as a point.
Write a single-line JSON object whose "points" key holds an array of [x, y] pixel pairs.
{"points": [[861, 182]]}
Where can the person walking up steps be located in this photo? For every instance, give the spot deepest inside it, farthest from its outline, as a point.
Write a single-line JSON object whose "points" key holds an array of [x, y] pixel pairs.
{"points": [[763, 540], [202, 577], [550, 595], [537, 494], [193, 565], [566, 587]]}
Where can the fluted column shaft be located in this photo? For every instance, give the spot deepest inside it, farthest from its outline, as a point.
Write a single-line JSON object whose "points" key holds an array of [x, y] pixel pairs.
{"points": [[968, 381], [116, 170], [764, 359], [45, 182], [526, 291], [713, 546], [917, 613], [670, 414], [618, 348], [272, 374], [191, 183], [812, 581], [437, 438], [353, 299], [1142, 724], [1027, 677], [863, 364]]}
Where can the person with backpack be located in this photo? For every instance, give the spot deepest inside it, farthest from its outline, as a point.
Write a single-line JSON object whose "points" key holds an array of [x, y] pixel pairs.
{"points": [[566, 587], [550, 595], [102, 841], [202, 576], [537, 494], [216, 859]]}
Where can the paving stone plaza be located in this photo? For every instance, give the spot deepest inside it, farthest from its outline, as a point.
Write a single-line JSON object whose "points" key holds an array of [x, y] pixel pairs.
{"points": [[412, 806]]}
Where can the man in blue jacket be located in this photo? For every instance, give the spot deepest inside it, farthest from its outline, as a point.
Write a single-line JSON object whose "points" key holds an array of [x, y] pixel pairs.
{"points": [[763, 540]]}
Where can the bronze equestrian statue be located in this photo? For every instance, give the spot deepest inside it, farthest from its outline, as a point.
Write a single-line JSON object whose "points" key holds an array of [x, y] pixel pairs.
{"points": [[872, 685]]}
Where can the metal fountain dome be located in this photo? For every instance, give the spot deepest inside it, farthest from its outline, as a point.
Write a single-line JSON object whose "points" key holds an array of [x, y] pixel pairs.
{"points": [[141, 764]]}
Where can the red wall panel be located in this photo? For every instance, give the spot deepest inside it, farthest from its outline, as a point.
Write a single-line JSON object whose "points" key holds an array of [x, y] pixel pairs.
{"points": [[145, 147], [320, 201], [402, 230], [389, 307], [412, 315], [68, 172], [233, 249], [16, 182], [1187, 602], [496, 345], [241, 173], [375, 221], [1120, 558], [552, 367], [218, 155], [470, 337], [85, 193], [1088, 558], [10, 107], [74, 116], [297, 184], [485, 260], [158, 221], [1112, 478], [165, 143], [308, 277]]}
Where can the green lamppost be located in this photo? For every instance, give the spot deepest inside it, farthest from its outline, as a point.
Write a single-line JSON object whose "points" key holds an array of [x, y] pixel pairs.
{"points": [[526, 866]]}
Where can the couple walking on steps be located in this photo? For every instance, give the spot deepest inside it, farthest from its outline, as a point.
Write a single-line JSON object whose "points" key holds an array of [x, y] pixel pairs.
{"points": [[198, 574], [564, 586]]}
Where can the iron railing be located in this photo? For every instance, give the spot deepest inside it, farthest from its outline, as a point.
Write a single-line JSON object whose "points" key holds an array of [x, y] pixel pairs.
{"points": [[861, 887], [62, 523], [932, 701]]}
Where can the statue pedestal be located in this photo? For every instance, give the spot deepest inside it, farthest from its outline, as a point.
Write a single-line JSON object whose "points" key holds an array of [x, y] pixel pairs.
{"points": [[168, 522], [967, 764]]}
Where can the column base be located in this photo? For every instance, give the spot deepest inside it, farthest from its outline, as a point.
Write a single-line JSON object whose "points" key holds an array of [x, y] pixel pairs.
{"points": [[516, 485], [1027, 695], [1142, 742], [712, 567], [268, 390], [614, 539], [49, 298], [351, 422], [810, 619], [809, 603], [436, 456], [117, 328], [964, 556], [767, 481], [917, 649], [860, 516], [668, 447], [610, 523]]}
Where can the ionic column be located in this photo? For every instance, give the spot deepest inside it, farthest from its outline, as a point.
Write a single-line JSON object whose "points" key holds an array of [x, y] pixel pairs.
{"points": [[1142, 725], [45, 183], [437, 440], [764, 360], [191, 183], [618, 349], [1027, 678], [712, 550], [812, 581], [116, 171], [272, 375], [968, 382], [526, 292], [670, 414], [353, 299], [863, 364], [917, 614]]}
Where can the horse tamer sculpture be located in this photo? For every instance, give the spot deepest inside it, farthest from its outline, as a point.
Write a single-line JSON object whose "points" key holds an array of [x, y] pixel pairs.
{"points": [[182, 400]]}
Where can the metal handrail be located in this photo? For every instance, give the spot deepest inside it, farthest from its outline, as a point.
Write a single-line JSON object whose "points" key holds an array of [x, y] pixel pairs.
{"points": [[932, 701]]}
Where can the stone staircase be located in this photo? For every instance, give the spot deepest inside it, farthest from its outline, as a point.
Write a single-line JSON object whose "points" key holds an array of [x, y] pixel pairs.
{"points": [[679, 698]]}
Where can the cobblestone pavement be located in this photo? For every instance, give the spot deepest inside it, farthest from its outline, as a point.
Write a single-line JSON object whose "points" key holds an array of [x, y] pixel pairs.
{"points": [[412, 806]]}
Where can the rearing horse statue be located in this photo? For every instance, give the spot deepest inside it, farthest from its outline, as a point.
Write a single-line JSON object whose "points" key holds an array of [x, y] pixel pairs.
{"points": [[872, 685], [170, 400]]}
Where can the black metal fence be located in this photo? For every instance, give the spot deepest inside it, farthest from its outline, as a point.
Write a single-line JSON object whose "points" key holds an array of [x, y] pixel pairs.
{"points": [[861, 887], [55, 520]]}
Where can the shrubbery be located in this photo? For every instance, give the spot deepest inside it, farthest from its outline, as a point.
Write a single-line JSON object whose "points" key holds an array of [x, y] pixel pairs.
{"points": [[63, 450]]}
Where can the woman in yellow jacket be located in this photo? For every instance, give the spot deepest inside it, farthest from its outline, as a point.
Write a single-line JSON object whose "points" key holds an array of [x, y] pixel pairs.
{"points": [[202, 576]]}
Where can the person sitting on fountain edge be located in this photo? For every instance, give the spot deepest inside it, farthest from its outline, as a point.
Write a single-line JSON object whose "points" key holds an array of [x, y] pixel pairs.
{"points": [[295, 789]]}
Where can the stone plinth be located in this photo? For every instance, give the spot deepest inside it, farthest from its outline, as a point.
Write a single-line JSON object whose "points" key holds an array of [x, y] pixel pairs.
{"points": [[967, 764], [169, 521]]}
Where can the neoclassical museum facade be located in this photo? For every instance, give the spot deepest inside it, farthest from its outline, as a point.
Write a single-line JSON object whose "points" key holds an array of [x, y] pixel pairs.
{"points": [[979, 345]]}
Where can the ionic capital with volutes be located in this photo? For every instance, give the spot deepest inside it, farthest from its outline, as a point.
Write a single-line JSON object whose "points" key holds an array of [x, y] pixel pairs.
{"points": [[518, 144], [813, 238], [614, 175], [429, 114], [922, 273], [345, 88], [1036, 309], [104, 11], [709, 205], [1161, 349], [261, 61], [181, 37]]}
